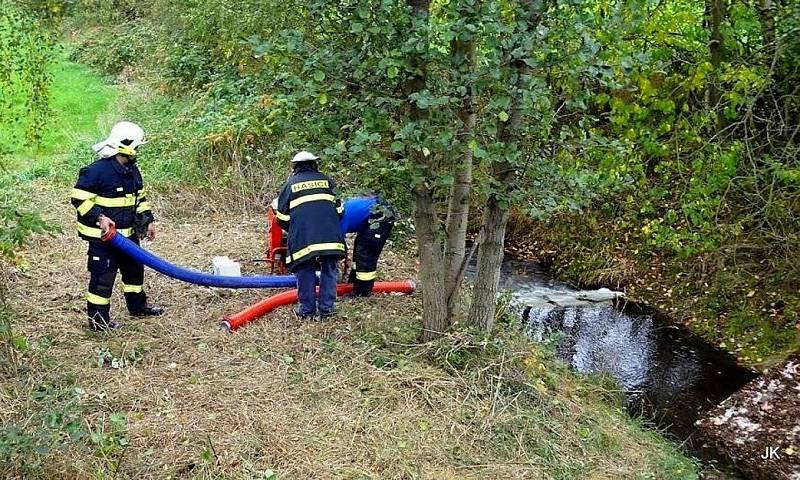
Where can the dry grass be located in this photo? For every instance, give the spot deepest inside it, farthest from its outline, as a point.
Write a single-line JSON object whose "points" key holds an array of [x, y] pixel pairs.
{"points": [[305, 400]]}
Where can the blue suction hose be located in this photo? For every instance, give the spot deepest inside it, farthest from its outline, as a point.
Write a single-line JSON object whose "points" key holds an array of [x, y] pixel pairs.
{"points": [[198, 278]]}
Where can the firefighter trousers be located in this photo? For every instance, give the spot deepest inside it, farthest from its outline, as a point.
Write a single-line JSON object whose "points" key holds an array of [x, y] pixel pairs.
{"points": [[103, 263], [307, 285], [367, 248]]}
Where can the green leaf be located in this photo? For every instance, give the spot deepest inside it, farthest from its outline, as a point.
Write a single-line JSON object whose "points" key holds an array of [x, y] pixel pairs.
{"points": [[118, 419], [392, 72], [19, 342], [503, 116], [423, 426], [319, 75], [323, 99], [356, 27], [476, 149], [397, 146]]}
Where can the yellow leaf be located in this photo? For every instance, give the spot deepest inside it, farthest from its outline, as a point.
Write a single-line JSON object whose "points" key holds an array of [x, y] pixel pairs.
{"points": [[528, 361]]}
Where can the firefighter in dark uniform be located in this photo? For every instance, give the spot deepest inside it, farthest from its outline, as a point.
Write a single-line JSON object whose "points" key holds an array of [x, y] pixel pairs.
{"points": [[371, 218], [109, 192], [309, 210]]}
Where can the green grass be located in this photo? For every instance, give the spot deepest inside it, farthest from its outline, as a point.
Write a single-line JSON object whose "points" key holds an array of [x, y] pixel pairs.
{"points": [[78, 99], [79, 102], [172, 135], [84, 107]]}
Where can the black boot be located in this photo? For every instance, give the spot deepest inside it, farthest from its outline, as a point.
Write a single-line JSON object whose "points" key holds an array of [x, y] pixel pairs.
{"points": [[303, 316], [363, 288], [149, 311]]}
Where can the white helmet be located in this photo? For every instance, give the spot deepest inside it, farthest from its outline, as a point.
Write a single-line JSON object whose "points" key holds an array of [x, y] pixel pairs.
{"points": [[304, 156], [125, 138]]}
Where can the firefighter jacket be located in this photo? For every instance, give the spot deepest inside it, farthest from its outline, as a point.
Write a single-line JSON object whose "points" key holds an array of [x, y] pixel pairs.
{"points": [[116, 191], [309, 210]]}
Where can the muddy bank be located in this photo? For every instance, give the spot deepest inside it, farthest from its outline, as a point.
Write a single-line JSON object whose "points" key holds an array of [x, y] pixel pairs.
{"points": [[759, 425]]}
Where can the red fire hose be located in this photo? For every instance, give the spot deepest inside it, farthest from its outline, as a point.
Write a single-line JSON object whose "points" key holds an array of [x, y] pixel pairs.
{"points": [[267, 305]]}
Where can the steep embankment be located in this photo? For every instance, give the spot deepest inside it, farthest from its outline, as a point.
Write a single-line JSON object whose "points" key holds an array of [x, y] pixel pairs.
{"points": [[351, 398]]}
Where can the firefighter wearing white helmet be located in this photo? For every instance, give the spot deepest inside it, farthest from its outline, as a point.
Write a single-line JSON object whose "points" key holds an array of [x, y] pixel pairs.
{"points": [[125, 138], [304, 156], [110, 193], [309, 211]]}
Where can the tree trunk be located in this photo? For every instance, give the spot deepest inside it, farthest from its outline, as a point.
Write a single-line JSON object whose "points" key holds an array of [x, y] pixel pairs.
{"points": [[463, 59], [715, 12], [490, 258], [457, 220], [435, 318], [766, 17], [495, 215]]}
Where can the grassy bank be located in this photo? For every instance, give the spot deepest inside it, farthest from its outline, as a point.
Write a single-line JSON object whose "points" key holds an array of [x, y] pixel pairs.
{"points": [[79, 111], [351, 398]]}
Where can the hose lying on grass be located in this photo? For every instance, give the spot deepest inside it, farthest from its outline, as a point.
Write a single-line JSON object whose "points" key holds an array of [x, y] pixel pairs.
{"points": [[198, 278], [267, 305]]}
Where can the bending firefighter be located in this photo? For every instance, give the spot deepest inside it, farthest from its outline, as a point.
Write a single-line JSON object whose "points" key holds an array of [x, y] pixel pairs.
{"points": [[109, 192], [371, 218], [309, 211]]}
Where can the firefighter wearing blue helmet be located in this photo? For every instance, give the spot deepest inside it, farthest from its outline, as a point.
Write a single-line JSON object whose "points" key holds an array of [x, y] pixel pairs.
{"points": [[371, 218]]}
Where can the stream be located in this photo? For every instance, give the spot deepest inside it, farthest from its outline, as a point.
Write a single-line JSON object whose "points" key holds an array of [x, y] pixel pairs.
{"points": [[668, 375]]}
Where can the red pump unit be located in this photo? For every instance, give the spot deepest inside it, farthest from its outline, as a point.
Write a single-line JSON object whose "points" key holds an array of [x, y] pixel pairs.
{"points": [[276, 244]]}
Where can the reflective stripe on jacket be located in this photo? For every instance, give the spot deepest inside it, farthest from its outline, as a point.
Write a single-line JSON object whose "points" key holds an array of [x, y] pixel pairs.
{"points": [[114, 190], [309, 210]]}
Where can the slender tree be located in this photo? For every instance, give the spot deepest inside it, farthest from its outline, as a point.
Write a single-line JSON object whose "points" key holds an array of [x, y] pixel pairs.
{"points": [[504, 167]]}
